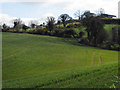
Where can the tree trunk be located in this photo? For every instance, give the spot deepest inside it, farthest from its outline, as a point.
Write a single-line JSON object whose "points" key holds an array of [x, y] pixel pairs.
{"points": [[88, 33], [95, 41], [64, 25]]}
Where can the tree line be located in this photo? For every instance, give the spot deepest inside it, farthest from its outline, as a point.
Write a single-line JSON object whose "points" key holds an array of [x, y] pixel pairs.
{"points": [[97, 36]]}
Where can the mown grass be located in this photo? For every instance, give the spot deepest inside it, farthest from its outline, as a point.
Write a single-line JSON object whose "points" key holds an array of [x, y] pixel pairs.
{"points": [[44, 61]]}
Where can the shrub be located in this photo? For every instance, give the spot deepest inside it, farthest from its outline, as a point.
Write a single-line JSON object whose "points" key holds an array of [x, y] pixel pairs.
{"points": [[70, 33], [84, 41], [24, 27], [116, 47], [5, 28], [114, 34], [81, 34], [119, 35], [102, 36], [108, 45], [39, 31], [68, 26], [73, 26], [59, 33]]}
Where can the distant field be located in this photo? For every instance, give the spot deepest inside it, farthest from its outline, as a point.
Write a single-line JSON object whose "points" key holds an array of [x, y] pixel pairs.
{"points": [[34, 61], [107, 27]]}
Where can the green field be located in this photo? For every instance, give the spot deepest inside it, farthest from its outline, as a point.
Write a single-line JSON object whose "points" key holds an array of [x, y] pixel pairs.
{"points": [[35, 61]]}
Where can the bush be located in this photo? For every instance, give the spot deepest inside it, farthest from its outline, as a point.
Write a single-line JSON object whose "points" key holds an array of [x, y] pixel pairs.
{"points": [[39, 31], [69, 33], [73, 26], [84, 41], [108, 45], [81, 34], [111, 21], [102, 36], [59, 33], [114, 34], [116, 47], [56, 32]]}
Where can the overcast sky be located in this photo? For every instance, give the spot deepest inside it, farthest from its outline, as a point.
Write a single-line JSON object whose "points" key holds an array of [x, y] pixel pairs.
{"points": [[29, 10]]}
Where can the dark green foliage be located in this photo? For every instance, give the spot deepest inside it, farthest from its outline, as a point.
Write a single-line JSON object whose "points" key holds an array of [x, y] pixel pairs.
{"points": [[73, 25], [84, 41], [86, 21], [65, 33], [94, 27], [98, 34], [40, 31], [41, 25], [63, 18], [56, 32], [17, 22], [4, 28], [33, 25], [58, 22], [119, 35], [111, 21], [102, 36], [110, 45], [81, 34], [24, 27], [69, 32], [17, 25], [59, 33], [114, 34]]}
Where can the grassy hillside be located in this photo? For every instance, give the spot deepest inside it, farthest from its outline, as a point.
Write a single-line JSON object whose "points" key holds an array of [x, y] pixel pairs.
{"points": [[44, 61]]}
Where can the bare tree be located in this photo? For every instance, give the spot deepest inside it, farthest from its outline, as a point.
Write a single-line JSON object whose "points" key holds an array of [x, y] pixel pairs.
{"points": [[33, 23], [50, 23], [17, 24], [78, 14], [100, 11]]}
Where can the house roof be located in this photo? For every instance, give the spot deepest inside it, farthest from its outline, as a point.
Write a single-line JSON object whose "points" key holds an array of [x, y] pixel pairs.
{"points": [[107, 15]]}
